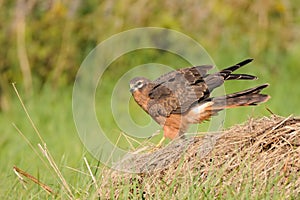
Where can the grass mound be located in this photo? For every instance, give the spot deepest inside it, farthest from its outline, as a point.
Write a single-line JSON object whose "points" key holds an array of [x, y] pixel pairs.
{"points": [[258, 159]]}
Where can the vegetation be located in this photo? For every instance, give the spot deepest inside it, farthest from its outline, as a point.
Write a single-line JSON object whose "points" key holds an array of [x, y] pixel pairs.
{"points": [[43, 44], [237, 157]]}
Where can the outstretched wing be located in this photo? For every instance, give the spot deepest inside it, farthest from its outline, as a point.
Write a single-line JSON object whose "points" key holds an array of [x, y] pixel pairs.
{"points": [[176, 91]]}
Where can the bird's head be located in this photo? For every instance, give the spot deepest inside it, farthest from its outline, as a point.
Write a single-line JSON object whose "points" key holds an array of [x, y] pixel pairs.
{"points": [[138, 83]]}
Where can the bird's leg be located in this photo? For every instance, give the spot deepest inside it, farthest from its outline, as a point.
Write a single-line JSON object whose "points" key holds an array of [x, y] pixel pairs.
{"points": [[160, 142]]}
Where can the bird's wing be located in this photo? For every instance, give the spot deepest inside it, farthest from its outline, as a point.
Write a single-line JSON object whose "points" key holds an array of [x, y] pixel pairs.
{"points": [[217, 79], [176, 91]]}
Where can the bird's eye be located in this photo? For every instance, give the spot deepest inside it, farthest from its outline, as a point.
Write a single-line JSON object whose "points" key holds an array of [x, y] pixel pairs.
{"points": [[139, 84]]}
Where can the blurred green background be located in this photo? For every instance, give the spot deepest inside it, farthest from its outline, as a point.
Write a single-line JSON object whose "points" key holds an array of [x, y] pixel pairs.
{"points": [[43, 43]]}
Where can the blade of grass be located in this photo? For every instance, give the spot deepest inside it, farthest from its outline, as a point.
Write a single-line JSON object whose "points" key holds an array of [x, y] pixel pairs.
{"points": [[90, 172], [18, 171]]}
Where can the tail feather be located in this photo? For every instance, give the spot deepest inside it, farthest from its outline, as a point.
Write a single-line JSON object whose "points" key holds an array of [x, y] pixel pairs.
{"points": [[254, 90], [247, 97], [213, 105]]}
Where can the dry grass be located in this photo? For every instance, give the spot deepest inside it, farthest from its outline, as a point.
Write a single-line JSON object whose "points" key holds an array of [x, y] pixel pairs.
{"points": [[259, 156]]}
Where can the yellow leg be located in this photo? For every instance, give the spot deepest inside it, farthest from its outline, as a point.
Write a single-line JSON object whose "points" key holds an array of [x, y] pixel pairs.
{"points": [[160, 142]]}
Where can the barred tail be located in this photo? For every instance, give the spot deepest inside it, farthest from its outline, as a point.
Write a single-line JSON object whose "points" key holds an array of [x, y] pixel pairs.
{"points": [[212, 106], [247, 97]]}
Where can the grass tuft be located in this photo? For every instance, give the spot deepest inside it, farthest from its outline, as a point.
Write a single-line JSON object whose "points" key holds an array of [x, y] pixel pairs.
{"points": [[258, 159]]}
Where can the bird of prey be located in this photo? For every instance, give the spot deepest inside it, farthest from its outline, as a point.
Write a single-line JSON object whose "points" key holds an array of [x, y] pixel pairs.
{"points": [[183, 97]]}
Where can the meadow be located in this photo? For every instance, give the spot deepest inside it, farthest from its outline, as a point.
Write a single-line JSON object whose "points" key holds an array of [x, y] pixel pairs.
{"points": [[44, 44]]}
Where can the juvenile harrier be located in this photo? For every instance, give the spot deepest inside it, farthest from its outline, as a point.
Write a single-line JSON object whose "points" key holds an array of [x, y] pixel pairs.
{"points": [[182, 97]]}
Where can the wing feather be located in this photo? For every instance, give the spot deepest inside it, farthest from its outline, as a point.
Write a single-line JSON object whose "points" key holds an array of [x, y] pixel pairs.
{"points": [[176, 91]]}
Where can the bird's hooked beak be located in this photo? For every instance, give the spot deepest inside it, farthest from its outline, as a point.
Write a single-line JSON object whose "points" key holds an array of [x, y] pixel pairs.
{"points": [[132, 88]]}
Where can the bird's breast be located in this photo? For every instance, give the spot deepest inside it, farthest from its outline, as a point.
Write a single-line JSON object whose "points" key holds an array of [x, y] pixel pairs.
{"points": [[141, 99]]}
